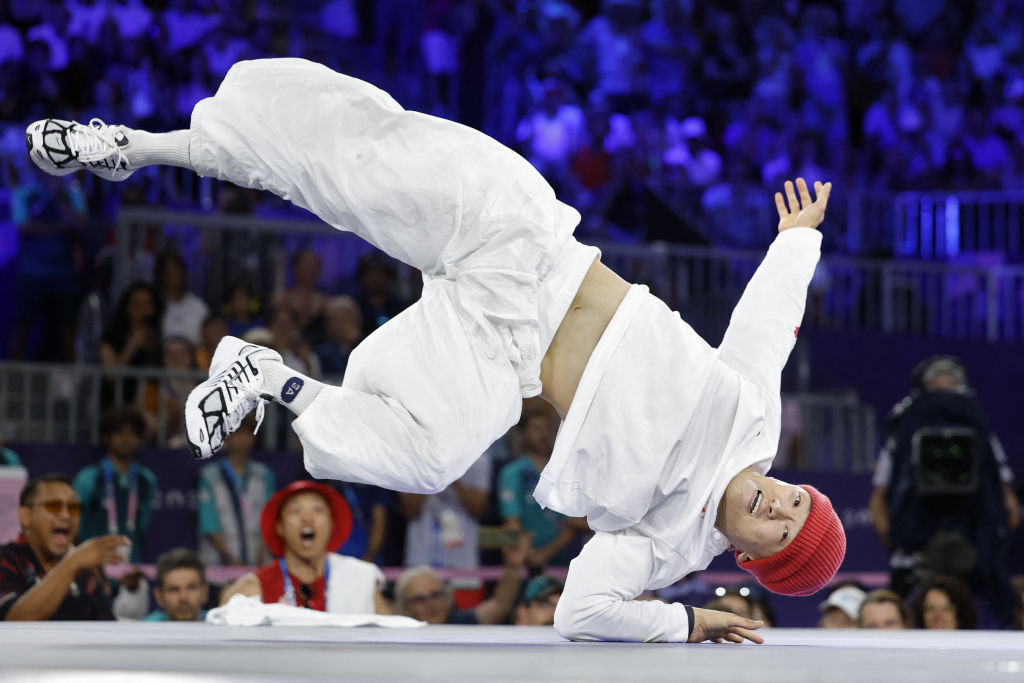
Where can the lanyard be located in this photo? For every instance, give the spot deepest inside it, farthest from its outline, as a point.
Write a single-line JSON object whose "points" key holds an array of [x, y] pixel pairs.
{"points": [[243, 512], [111, 502], [289, 589]]}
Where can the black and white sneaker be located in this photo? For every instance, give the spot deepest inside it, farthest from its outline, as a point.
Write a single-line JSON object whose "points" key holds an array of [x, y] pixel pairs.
{"points": [[61, 147], [216, 407]]}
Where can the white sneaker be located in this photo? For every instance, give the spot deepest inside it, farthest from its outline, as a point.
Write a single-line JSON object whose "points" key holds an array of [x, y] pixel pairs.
{"points": [[61, 147], [216, 407]]}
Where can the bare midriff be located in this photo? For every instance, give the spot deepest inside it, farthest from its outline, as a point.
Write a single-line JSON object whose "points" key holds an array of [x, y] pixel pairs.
{"points": [[591, 310]]}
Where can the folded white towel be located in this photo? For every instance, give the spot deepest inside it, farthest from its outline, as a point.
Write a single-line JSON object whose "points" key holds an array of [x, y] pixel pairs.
{"points": [[243, 610]]}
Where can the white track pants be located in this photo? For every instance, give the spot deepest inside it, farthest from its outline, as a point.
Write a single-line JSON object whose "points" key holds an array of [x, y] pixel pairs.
{"points": [[429, 391]]}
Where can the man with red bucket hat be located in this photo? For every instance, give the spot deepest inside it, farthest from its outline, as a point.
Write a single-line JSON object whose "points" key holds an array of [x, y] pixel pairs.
{"points": [[302, 525]]}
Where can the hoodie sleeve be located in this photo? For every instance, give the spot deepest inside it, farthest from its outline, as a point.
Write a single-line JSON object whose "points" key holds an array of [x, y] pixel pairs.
{"points": [[599, 598]]}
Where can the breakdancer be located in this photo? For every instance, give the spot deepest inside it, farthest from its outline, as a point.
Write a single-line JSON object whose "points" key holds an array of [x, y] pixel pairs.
{"points": [[665, 441]]}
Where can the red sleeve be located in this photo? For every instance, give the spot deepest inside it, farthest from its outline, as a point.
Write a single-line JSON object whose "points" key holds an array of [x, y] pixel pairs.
{"points": [[270, 582]]}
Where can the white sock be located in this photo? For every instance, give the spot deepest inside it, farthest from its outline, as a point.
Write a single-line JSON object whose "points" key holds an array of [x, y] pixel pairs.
{"points": [[167, 149], [291, 389]]}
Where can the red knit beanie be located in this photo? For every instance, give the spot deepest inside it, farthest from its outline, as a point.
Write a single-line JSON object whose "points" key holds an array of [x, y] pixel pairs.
{"points": [[809, 562]]}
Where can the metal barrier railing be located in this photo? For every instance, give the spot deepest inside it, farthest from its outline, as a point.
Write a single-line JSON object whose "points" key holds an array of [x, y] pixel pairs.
{"points": [[973, 302], [53, 403]]}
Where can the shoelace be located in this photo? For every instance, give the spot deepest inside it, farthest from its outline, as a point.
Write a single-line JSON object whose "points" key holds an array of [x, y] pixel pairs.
{"points": [[238, 414], [94, 142]]}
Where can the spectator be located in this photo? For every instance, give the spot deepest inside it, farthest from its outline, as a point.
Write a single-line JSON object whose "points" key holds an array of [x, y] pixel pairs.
{"points": [[343, 331], [242, 310], [302, 523], [537, 606], [304, 299], [184, 312], [42, 575], [443, 528], [232, 493], [883, 608], [213, 330], [181, 589], [287, 340], [7, 456], [376, 298], [117, 492], [165, 406], [842, 607], [133, 338], [945, 603], [552, 533], [553, 133], [731, 601], [948, 512], [422, 594], [50, 216], [369, 505]]}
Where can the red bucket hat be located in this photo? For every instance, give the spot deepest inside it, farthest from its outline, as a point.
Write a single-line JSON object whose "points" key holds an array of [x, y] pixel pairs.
{"points": [[340, 512], [809, 562]]}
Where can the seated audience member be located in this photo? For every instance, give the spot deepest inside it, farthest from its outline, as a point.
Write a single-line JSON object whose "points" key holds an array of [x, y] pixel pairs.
{"points": [[8, 457], [42, 575], [444, 528], [242, 310], [287, 339], [731, 601], [945, 603], [761, 610], [232, 492], [537, 606], [422, 594], [132, 339], [883, 608], [181, 589], [169, 395], [213, 330], [369, 505], [841, 608], [117, 493], [184, 312], [301, 524], [376, 296], [1018, 604], [553, 533], [343, 330], [304, 299]]}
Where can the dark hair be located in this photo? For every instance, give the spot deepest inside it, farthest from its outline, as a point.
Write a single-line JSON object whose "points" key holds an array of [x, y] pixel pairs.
{"points": [[119, 325], [113, 419], [167, 258], [536, 411], [32, 487], [957, 592], [178, 558], [374, 259]]}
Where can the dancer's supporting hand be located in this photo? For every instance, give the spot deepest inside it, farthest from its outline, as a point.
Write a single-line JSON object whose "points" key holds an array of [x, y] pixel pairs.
{"points": [[719, 627]]}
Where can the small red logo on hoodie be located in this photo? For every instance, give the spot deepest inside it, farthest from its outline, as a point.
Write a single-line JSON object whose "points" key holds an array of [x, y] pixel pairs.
{"points": [[796, 331]]}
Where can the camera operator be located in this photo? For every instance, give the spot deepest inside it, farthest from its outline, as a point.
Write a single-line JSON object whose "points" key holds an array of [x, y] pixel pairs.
{"points": [[944, 500]]}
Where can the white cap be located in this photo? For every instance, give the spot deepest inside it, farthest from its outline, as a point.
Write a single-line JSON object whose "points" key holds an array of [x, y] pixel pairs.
{"points": [[847, 598]]}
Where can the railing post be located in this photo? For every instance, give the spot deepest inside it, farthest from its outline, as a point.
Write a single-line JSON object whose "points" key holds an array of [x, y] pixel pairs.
{"points": [[993, 277]]}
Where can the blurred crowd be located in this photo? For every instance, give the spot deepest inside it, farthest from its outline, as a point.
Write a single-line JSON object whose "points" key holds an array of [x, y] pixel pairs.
{"points": [[639, 112]]}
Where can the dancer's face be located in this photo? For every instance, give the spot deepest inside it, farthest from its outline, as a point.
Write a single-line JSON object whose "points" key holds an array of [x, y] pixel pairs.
{"points": [[305, 525], [761, 515]]}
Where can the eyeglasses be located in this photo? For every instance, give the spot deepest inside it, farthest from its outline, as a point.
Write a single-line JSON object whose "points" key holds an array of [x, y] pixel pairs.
{"points": [[421, 599], [948, 607], [54, 507]]}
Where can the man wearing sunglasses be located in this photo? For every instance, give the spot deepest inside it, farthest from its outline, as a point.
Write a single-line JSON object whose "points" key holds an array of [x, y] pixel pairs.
{"points": [[42, 574]]}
